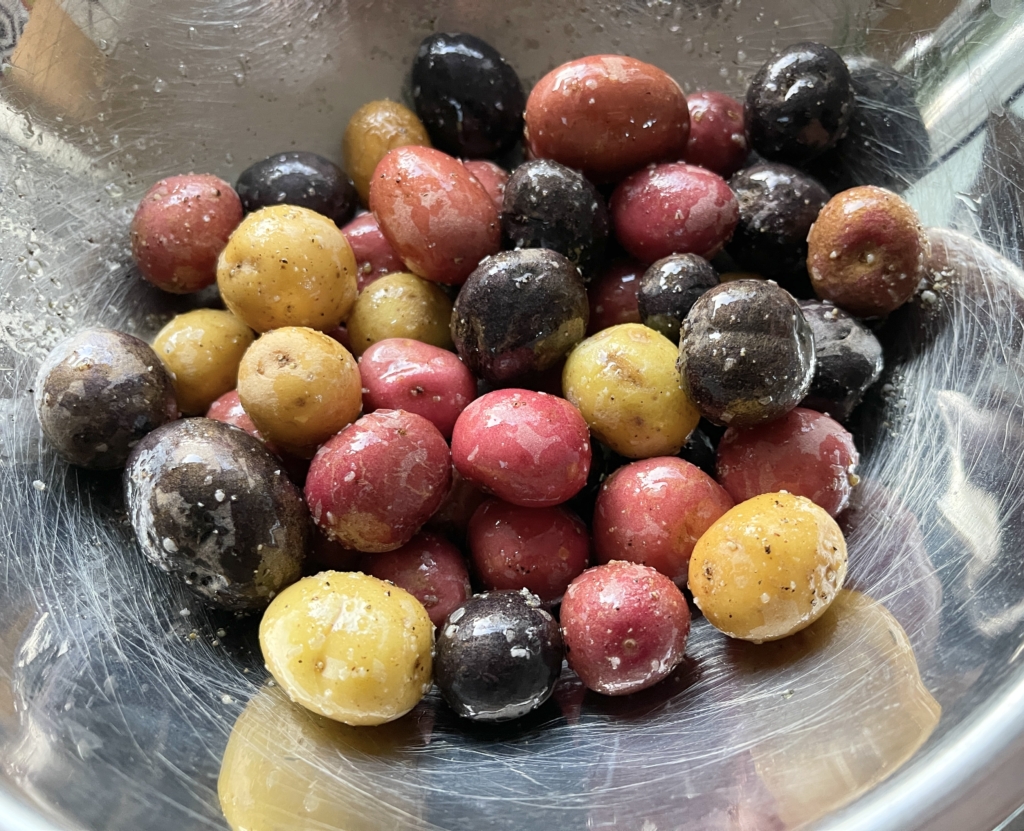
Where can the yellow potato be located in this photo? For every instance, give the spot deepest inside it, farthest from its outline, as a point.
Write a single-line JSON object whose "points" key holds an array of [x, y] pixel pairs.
{"points": [[349, 647], [201, 350], [300, 387], [374, 129], [624, 381], [288, 266], [400, 306], [768, 567]]}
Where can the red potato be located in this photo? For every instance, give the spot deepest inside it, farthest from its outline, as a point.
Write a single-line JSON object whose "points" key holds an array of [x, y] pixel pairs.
{"points": [[528, 448], [539, 549], [673, 209], [405, 374], [653, 512], [866, 251], [374, 255], [373, 485], [805, 453], [179, 229], [435, 214], [606, 116], [613, 294], [718, 138], [492, 176], [341, 335], [624, 626], [430, 568]]}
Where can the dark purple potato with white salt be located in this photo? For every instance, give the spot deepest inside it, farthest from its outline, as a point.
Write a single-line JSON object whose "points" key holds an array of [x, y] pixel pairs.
{"points": [[98, 393], [210, 505]]}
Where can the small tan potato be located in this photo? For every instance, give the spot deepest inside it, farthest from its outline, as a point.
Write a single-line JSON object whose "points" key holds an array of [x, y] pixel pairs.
{"points": [[624, 381], [768, 567], [374, 129], [300, 387], [201, 350], [349, 647], [288, 266], [400, 306]]}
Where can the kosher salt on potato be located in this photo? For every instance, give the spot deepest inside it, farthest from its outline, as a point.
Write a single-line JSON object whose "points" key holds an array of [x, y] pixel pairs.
{"points": [[288, 266], [202, 349], [349, 647], [300, 387], [624, 381], [768, 568]]}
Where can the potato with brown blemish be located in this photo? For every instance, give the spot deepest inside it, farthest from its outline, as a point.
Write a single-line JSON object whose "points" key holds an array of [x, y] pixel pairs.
{"points": [[300, 387], [624, 381], [288, 266], [374, 129], [768, 567], [400, 306], [202, 350]]}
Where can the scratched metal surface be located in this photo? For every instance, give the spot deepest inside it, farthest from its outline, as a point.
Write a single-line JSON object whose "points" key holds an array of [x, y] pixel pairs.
{"points": [[119, 693]]}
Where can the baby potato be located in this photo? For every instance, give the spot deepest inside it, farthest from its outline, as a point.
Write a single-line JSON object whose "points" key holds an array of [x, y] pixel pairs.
{"points": [[202, 350], [400, 306], [300, 387], [374, 129], [624, 381], [768, 567], [288, 266], [349, 647]]}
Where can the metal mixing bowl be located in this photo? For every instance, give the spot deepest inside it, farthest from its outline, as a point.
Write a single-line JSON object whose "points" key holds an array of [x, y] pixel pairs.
{"points": [[118, 691]]}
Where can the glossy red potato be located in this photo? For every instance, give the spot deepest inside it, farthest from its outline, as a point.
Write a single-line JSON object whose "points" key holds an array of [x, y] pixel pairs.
{"points": [[653, 512], [673, 209], [492, 176], [374, 255], [437, 216], [179, 229], [405, 374], [613, 293], [462, 500], [804, 452], [539, 549], [718, 138], [430, 568], [624, 626], [373, 485], [528, 448], [606, 116]]}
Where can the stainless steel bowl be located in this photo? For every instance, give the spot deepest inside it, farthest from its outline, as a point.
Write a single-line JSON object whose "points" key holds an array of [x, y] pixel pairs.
{"points": [[118, 691]]}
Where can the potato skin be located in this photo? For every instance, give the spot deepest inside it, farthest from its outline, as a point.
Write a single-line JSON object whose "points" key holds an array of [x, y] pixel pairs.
{"points": [[405, 374], [349, 647], [528, 448], [375, 484], [374, 255], [623, 380], [202, 350], [625, 627], [300, 387], [400, 305], [673, 209], [210, 505], [374, 129], [607, 116], [287, 266], [768, 568], [866, 251], [98, 393], [180, 228], [439, 219], [653, 512]]}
